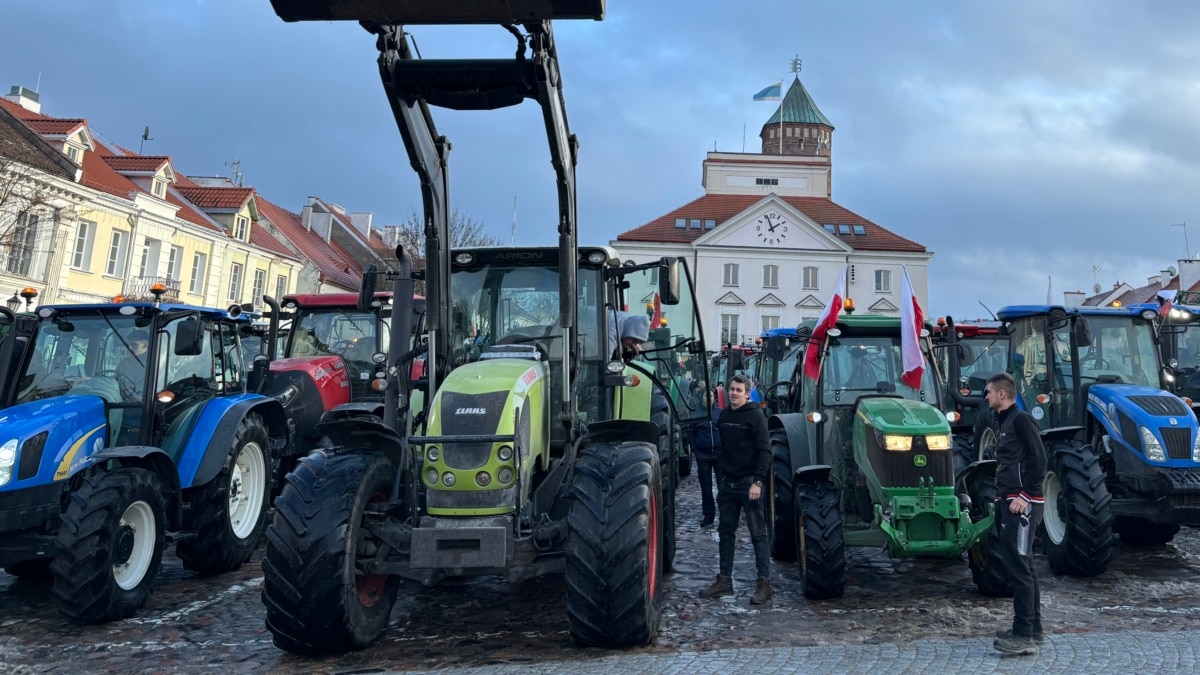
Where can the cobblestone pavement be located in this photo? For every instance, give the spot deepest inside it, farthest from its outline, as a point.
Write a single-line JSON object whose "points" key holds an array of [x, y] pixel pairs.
{"points": [[896, 614]]}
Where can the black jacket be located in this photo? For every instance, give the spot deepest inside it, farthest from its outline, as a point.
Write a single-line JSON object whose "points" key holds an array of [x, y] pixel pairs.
{"points": [[745, 445], [1020, 457]]}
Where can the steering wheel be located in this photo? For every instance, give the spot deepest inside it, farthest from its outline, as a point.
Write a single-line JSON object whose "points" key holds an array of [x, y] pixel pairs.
{"points": [[1096, 362], [126, 384], [341, 346]]}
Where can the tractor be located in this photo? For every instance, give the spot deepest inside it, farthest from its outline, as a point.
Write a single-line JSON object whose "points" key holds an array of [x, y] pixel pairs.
{"points": [[860, 458], [126, 421], [548, 442], [1179, 339], [779, 355], [1124, 455], [968, 354]]}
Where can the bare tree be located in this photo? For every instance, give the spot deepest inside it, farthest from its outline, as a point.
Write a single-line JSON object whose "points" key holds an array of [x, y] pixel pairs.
{"points": [[465, 231], [29, 219]]}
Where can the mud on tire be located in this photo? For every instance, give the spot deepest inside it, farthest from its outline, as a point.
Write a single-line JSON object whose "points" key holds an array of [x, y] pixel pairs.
{"points": [[109, 546], [781, 509], [316, 603], [822, 554], [229, 512], [1077, 525], [614, 559]]}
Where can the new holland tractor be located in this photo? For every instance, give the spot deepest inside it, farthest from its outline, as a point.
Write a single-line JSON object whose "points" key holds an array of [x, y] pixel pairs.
{"points": [[1124, 455], [126, 421], [863, 459], [543, 447], [1179, 341]]}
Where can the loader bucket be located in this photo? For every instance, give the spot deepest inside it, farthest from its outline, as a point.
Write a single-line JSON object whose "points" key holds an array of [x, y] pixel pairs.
{"points": [[438, 11]]}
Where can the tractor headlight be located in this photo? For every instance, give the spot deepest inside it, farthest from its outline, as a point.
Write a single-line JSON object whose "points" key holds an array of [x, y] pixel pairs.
{"points": [[1151, 446], [938, 442], [1149, 314], [8, 459], [953, 417], [615, 367], [504, 475], [432, 453], [505, 453], [379, 357], [1196, 449], [895, 443], [431, 476], [448, 479], [483, 479]]}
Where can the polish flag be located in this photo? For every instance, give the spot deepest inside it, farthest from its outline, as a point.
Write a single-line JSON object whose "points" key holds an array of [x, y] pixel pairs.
{"points": [[912, 320], [1165, 298], [812, 365], [656, 319]]}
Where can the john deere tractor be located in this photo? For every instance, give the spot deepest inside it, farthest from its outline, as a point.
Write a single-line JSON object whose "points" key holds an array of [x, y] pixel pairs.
{"points": [[863, 459], [1124, 454], [541, 449]]}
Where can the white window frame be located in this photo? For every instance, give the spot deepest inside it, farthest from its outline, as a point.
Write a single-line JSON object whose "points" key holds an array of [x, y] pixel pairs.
{"points": [[241, 227], [148, 264], [81, 252], [74, 154], [281, 282], [118, 252], [768, 322], [174, 256], [813, 283], [770, 276], [259, 287], [235, 282], [159, 188], [199, 272], [731, 322], [883, 281], [731, 274]]}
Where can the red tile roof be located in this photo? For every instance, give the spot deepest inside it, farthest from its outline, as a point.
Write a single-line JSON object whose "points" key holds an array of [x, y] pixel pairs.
{"points": [[137, 163], [723, 207], [216, 197], [56, 127], [20, 112], [99, 175], [20, 144], [335, 266]]}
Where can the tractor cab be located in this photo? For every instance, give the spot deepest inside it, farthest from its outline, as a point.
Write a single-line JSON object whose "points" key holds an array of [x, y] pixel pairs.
{"points": [[781, 351], [1179, 341]]}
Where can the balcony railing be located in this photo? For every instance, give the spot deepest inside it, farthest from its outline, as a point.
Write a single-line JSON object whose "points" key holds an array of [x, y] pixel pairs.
{"points": [[137, 289]]}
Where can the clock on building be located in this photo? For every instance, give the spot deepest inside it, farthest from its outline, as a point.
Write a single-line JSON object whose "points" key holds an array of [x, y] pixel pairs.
{"points": [[772, 228]]}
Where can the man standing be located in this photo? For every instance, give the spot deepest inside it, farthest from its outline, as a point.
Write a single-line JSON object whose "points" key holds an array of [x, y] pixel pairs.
{"points": [[744, 462], [705, 439], [1020, 468]]}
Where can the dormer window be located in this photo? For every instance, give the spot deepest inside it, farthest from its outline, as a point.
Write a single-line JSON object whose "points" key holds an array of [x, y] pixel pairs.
{"points": [[159, 188], [75, 154], [241, 227]]}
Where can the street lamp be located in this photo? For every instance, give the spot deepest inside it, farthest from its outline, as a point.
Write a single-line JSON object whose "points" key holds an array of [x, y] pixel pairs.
{"points": [[14, 303]]}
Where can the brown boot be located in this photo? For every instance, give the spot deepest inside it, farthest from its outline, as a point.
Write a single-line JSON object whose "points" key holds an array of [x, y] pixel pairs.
{"points": [[762, 594], [722, 586]]}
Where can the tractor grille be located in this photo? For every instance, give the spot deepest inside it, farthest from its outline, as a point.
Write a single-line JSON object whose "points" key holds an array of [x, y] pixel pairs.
{"points": [[1160, 405], [472, 415], [31, 456], [1179, 442], [1129, 431], [899, 469]]}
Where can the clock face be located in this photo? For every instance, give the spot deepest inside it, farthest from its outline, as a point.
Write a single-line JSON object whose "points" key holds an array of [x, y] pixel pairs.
{"points": [[772, 228]]}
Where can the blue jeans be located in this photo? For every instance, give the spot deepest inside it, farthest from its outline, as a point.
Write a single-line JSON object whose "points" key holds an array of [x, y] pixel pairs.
{"points": [[733, 495]]}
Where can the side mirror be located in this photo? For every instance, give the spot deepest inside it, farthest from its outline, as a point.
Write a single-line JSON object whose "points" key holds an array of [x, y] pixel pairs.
{"points": [[366, 292], [668, 281], [189, 336], [1083, 332], [260, 369], [776, 348], [1004, 330], [966, 356], [736, 361]]}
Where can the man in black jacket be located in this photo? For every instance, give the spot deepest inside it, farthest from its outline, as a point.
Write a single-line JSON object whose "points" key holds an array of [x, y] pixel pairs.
{"points": [[744, 462], [1020, 468], [705, 440]]}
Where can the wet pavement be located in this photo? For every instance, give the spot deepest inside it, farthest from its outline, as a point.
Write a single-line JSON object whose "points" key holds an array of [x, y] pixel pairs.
{"points": [[201, 624]]}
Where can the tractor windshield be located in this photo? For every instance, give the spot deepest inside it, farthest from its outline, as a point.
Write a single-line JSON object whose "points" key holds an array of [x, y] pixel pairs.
{"points": [[772, 371], [493, 304], [1122, 350], [86, 353], [989, 356], [349, 333], [867, 365]]}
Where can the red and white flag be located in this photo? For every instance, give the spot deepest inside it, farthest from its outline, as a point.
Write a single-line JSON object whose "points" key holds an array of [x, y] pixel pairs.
{"points": [[1165, 299], [812, 365], [912, 320]]}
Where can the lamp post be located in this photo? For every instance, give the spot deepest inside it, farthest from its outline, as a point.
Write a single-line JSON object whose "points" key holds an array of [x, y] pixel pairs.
{"points": [[14, 303]]}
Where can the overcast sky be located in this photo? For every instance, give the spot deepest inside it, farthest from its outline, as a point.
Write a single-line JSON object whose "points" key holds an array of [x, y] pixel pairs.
{"points": [[1015, 139]]}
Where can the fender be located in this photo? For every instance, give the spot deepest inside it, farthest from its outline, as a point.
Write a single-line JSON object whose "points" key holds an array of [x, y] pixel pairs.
{"points": [[615, 431], [1063, 434], [797, 428], [156, 460], [363, 431], [347, 410], [208, 446]]}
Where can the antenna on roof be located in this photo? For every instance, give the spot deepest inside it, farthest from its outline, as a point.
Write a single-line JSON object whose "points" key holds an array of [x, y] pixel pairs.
{"points": [[145, 137], [989, 311], [236, 165]]}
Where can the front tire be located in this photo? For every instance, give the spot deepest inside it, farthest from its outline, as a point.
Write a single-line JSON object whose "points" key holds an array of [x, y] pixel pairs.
{"points": [[109, 546], [822, 555], [782, 509], [986, 570], [316, 601], [229, 512], [1077, 525], [614, 558]]}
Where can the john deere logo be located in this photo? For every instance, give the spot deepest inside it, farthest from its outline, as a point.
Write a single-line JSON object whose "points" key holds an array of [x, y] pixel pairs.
{"points": [[919, 460]]}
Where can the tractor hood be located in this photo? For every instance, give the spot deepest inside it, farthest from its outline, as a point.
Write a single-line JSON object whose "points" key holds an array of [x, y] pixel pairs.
{"points": [[1140, 403], [901, 416], [53, 437], [1135, 415]]}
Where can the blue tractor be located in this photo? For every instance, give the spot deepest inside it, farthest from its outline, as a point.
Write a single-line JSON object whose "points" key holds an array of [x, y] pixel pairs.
{"points": [[122, 422], [1124, 455]]}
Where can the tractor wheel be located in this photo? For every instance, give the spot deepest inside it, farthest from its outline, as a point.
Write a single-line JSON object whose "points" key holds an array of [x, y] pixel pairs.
{"points": [[780, 509], [614, 557], [986, 570], [822, 554], [36, 571], [963, 452], [1077, 524], [669, 469], [985, 441], [230, 511], [1142, 532], [109, 546], [317, 600]]}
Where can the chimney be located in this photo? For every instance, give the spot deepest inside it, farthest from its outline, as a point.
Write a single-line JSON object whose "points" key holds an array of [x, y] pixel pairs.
{"points": [[337, 207], [1150, 281], [26, 98], [1073, 298], [306, 217], [362, 223], [1165, 277], [1189, 274]]}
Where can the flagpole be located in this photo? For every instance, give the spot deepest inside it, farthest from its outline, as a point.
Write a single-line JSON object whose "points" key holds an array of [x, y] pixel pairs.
{"points": [[781, 81]]}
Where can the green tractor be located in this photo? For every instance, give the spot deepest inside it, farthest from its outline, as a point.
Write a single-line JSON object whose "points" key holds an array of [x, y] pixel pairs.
{"points": [[862, 459], [543, 444]]}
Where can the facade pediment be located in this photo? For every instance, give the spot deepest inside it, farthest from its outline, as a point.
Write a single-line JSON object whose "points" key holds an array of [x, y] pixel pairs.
{"points": [[883, 305], [769, 300], [810, 302], [730, 298], [774, 224]]}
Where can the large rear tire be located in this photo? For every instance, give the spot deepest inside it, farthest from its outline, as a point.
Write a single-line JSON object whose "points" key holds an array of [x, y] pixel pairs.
{"points": [[986, 570], [781, 510], [614, 557], [1142, 532], [109, 546], [317, 603], [822, 555], [229, 512], [1077, 525]]}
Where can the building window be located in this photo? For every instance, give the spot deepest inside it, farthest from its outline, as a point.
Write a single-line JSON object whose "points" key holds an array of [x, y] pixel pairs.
{"points": [[729, 329], [241, 228], [81, 255], [731, 274], [860, 231], [199, 263], [148, 264], [812, 279], [770, 276], [118, 248], [844, 229], [75, 154], [235, 282], [173, 259], [883, 281], [710, 224], [681, 223], [694, 223], [280, 287], [260, 286], [766, 181], [770, 322], [831, 228], [21, 242], [159, 189]]}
